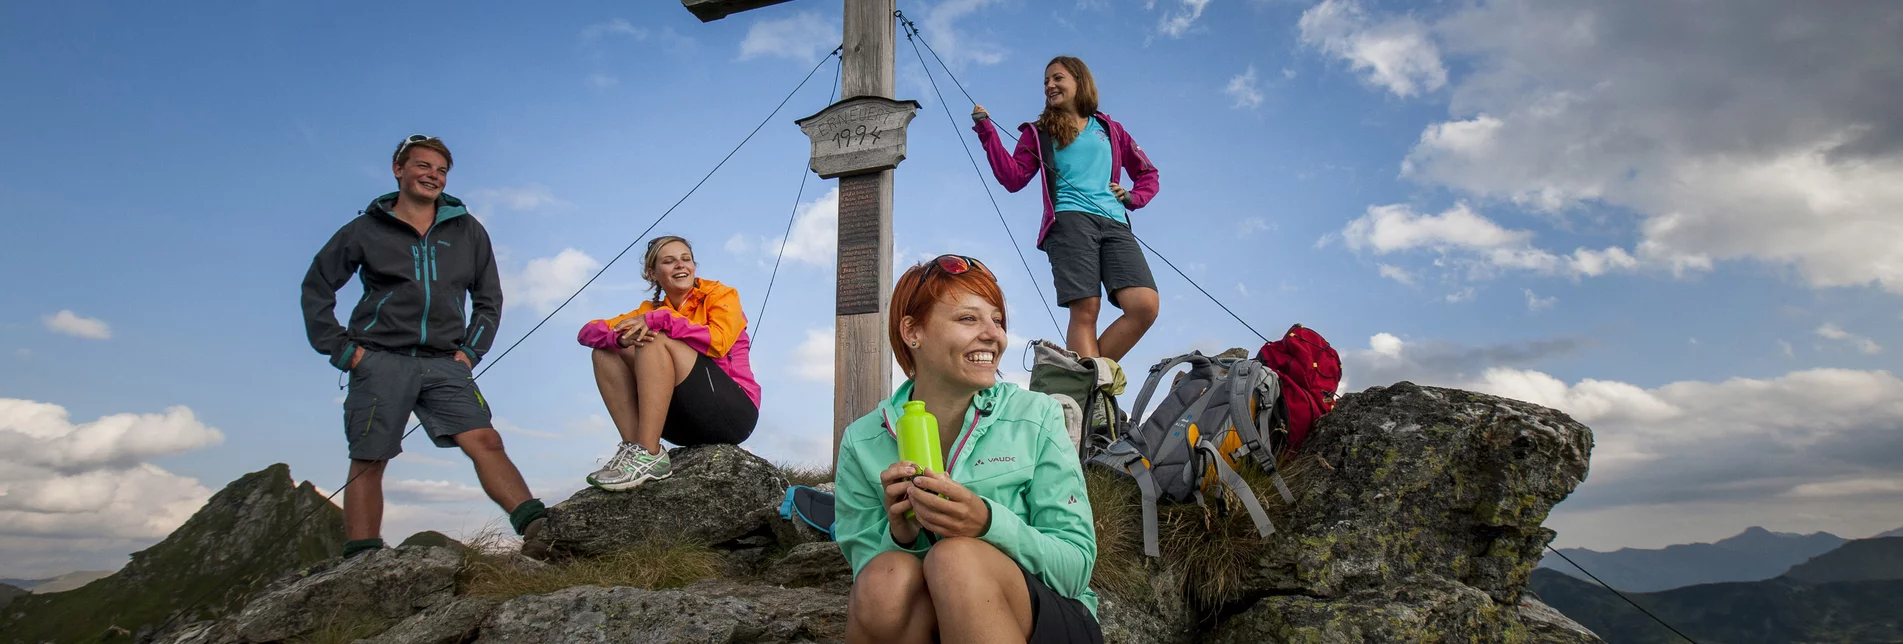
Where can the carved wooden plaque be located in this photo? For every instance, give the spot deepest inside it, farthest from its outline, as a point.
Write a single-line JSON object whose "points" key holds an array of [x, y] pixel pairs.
{"points": [[858, 135]]}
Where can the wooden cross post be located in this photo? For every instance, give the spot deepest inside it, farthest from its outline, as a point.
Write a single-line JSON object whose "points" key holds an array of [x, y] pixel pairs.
{"points": [[859, 140]]}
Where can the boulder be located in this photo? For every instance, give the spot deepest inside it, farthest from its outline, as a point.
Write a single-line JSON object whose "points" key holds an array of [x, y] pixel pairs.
{"points": [[1548, 625], [707, 613], [1430, 610], [389, 584], [434, 539], [1425, 481], [451, 622], [811, 564], [713, 498]]}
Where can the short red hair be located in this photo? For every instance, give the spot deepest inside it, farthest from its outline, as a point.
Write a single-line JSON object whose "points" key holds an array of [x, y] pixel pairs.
{"points": [[920, 288]]}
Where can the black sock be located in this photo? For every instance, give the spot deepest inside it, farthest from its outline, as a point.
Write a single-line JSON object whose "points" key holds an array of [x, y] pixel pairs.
{"points": [[354, 547], [525, 514]]}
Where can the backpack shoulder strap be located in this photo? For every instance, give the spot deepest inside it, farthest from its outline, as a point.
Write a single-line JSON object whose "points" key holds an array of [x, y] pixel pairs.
{"points": [[1156, 375], [1242, 378], [1234, 482], [1124, 457]]}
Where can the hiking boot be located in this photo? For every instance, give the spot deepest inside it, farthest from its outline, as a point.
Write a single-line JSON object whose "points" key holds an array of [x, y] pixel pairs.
{"points": [[533, 545], [630, 468]]}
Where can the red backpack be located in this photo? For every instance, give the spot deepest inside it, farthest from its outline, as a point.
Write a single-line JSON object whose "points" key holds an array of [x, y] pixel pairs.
{"points": [[1310, 371]]}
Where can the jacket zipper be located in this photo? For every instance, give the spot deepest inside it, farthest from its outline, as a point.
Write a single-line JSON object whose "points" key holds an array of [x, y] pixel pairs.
{"points": [[379, 310]]}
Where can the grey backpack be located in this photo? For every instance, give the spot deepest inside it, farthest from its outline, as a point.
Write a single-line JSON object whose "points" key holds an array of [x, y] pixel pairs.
{"points": [[1218, 413]]}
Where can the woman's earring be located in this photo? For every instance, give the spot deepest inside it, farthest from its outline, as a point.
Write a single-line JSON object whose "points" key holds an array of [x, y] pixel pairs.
{"points": [[915, 345]]}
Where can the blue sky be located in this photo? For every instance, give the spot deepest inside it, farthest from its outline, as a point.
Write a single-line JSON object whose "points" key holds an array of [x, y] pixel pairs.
{"points": [[1671, 233]]}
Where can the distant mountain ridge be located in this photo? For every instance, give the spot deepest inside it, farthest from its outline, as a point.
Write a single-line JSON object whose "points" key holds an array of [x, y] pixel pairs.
{"points": [[1860, 560], [67, 581], [238, 542], [1775, 610], [1753, 555]]}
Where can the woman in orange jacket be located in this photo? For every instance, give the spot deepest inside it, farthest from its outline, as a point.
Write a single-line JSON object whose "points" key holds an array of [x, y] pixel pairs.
{"points": [[676, 368]]}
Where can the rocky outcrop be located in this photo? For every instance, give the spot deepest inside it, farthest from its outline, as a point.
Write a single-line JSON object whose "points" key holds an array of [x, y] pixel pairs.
{"points": [[1420, 522], [254, 531], [714, 498], [389, 584], [710, 613], [1428, 519]]}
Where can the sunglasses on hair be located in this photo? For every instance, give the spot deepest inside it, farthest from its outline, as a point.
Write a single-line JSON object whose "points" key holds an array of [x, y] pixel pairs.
{"points": [[957, 264], [413, 140]]}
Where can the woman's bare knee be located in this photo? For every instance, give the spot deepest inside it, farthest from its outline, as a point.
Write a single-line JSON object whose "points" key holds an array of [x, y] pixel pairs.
{"points": [[883, 595], [957, 558]]}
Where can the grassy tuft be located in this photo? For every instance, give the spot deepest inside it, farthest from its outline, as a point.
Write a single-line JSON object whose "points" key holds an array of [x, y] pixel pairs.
{"points": [[490, 570], [1213, 546], [340, 629], [807, 475]]}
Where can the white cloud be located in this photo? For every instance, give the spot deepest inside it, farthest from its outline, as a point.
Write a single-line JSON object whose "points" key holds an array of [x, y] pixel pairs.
{"points": [[615, 27], [815, 238], [1179, 20], [86, 483], [1396, 273], [1244, 88], [1537, 303], [524, 198], [1242, 290], [1785, 348], [78, 326], [412, 457], [1395, 53], [802, 36], [1833, 332], [1701, 124], [546, 281], [1253, 225], [813, 358], [1881, 487], [507, 426], [1463, 295], [432, 491], [603, 81], [1470, 241], [958, 48]]}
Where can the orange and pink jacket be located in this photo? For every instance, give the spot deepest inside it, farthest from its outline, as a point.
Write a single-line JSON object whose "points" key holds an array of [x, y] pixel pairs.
{"points": [[709, 320]]}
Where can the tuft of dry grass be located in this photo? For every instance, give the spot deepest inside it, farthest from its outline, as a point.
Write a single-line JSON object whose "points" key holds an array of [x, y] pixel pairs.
{"points": [[340, 629], [1213, 545], [807, 475], [491, 569]]}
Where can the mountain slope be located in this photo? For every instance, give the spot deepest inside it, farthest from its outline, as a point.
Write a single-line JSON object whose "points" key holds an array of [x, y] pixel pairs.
{"points": [[69, 581], [1776, 610], [1753, 555], [1860, 560], [234, 545]]}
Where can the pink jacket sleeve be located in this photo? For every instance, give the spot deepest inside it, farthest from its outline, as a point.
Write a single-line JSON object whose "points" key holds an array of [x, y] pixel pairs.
{"points": [[1014, 170], [725, 323], [599, 335], [1142, 173]]}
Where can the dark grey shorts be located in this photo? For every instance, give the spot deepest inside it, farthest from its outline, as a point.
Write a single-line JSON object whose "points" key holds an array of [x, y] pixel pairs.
{"points": [[386, 387], [1087, 250]]}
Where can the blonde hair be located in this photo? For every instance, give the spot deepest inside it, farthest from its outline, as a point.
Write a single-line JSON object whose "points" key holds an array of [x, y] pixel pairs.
{"points": [[653, 257]]}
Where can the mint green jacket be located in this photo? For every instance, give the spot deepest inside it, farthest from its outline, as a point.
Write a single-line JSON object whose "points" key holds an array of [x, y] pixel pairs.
{"points": [[1012, 450]]}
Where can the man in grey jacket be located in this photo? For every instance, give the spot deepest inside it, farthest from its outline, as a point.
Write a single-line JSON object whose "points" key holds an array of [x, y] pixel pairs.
{"points": [[410, 346]]}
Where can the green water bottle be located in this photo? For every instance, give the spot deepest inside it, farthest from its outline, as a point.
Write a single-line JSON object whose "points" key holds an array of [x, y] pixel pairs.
{"points": [[918, 440]]}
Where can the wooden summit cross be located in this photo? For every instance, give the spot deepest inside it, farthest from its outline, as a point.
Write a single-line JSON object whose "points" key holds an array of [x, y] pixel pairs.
{"points": [[859, 140]]}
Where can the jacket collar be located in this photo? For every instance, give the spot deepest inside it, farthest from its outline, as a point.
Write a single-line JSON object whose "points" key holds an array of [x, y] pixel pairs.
{"points": [[447, 207]]}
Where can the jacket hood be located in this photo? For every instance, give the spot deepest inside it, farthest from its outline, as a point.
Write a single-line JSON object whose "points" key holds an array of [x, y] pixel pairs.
{"points": [[447, 206]]}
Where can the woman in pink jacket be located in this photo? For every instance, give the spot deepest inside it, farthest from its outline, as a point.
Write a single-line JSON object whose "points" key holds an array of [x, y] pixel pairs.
{"points": [[1083, 154]]}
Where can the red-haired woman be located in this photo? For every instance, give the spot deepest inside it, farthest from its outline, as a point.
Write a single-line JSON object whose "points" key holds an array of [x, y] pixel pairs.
{"points": [[990, 556], [1086, 229]]}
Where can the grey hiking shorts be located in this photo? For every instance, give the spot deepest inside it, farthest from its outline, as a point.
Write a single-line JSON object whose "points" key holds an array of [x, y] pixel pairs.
{"points": [[1087, 250], [386, 387]]}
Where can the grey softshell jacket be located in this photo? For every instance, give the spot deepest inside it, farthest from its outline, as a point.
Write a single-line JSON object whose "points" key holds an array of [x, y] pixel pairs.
{"points": [[413, 285]]}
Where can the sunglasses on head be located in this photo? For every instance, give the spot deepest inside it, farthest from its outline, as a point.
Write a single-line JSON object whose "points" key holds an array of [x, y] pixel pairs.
{"points": [[413, 140], [957, 264]]}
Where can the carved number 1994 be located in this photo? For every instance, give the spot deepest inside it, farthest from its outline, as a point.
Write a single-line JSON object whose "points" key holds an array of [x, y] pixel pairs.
{"points": [[856, 136]]}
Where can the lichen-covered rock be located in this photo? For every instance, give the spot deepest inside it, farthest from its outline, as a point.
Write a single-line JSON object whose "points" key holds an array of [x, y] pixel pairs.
{"points": [[811, 564], [1426, 481], [1427, 610], [451, 622], [712, 498], [704, 613], [1549, 626], [388, 584]]}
